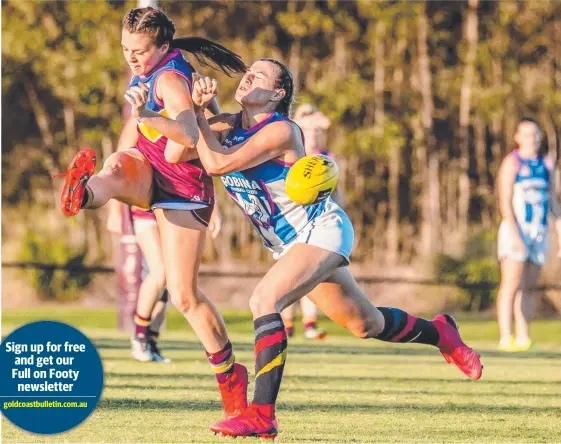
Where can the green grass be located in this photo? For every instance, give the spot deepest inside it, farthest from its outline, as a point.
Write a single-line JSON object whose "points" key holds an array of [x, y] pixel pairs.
{"points": [[342, 390]]}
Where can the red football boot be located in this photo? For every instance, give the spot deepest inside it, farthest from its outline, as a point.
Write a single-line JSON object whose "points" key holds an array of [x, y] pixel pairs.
{"points": [[234, 391], [77, 174], [257, 420], [453, 348]]}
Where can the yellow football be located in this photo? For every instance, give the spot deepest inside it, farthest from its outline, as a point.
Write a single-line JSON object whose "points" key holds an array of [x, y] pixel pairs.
{"points": [[312, 179]]}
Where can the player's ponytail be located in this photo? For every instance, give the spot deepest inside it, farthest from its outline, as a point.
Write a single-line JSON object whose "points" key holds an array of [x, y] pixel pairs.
{"points": [[160, 28], [209, 53]]}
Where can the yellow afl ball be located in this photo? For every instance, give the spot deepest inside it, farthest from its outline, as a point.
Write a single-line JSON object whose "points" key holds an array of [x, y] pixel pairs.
{"points": [[312, 179]]}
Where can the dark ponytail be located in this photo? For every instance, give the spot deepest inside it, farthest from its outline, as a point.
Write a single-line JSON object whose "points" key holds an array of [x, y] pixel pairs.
{"points": [[159, 27], [205, 50], [285, 80]]}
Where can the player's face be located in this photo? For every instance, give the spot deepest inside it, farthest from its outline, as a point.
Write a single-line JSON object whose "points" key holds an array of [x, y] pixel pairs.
{"points": [[258, 85], [528, 137], [140, 52]]}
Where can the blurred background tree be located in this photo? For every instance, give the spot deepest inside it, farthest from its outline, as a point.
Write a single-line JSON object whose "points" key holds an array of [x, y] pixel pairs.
{"points": [[424, 98]]}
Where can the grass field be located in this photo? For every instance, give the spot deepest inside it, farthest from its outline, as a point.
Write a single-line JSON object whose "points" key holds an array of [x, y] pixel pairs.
{"points": [[342, 390]]}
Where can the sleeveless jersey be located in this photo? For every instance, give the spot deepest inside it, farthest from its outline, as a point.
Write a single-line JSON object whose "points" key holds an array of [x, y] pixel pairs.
{"points": [[260, 192], [530, 198], [185, 181]]}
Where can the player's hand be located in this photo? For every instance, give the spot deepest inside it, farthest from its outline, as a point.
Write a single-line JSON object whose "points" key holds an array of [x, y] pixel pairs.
{"points": [[204, 90], [137, 96], [215, 224]]}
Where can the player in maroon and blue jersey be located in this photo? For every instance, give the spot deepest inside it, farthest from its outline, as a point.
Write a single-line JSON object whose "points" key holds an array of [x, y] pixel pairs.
{"points": [[158, 172]]}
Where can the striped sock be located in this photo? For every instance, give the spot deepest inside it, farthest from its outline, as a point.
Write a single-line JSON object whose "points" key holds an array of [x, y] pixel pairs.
{"points": [[222, 362], [402, 327], [270, 356], [141, 326]]}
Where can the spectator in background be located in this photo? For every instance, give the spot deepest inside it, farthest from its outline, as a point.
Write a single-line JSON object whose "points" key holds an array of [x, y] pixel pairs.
{"points": [[152, 298], [314, 125], [526, 195]]}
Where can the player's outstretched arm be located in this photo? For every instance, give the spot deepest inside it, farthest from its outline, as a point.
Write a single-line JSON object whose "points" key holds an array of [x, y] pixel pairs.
{"points": [[270, 142], [173, 90]]}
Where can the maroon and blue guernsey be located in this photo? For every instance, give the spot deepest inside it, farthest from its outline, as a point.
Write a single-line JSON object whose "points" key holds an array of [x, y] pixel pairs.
{"points": [[175, 185]]}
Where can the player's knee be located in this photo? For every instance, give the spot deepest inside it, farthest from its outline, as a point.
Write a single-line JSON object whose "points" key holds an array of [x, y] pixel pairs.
{"points": [[364, 328], [159, 277], [261, 302], [508, 290], [113, 166], [359, 328], [183, 299]]}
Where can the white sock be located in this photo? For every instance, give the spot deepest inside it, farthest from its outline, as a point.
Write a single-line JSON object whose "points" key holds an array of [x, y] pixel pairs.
{"points": [[505, 340]]}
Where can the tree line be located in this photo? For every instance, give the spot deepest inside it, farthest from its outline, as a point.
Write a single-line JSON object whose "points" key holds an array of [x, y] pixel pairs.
{"points": [[424, 98]]}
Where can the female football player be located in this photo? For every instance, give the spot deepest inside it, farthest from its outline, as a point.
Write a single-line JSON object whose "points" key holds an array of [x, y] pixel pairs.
{"points": [[155, 173], [152, 296], [526, 193], [252, 151]]}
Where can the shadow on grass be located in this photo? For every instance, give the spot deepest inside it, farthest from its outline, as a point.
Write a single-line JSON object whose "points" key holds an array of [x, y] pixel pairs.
{"points": [[366, 392], [335, 379], [209, 406], [123, 344]]}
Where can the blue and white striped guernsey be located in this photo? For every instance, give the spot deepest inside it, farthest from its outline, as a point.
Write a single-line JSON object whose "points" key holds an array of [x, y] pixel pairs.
{"points": [[260, 192], [530, 198]]}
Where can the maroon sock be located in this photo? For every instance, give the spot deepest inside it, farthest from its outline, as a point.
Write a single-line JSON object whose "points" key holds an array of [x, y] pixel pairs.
{"points": [[141, 326], [222, 362]]}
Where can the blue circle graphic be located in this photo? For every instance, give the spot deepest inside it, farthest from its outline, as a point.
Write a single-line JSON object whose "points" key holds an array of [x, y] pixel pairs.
{"points": [[51, 377]]}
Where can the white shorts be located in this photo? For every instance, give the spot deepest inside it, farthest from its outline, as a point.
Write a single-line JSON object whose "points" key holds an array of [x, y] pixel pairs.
{"points": [[536, 245], [332, 231]]}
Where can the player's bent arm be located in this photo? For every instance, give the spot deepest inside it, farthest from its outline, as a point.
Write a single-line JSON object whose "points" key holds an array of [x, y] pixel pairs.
{"points": [[181, 126], [129, 135], [176, 152], [270, 142], [505, 181], [212, 109]]}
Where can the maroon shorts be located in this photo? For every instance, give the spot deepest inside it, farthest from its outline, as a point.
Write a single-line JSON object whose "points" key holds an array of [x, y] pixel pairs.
{"points": [[167, 201]]}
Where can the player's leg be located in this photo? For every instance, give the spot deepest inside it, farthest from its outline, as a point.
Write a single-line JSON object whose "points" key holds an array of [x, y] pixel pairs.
{"points": [[343, 301], [294, 275], [310, 320], [511, 273], [302, 269], [158, 318], [152, 286], [522, 304], [126, 176], [288, 315], [183, 238], [159, 312]]}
